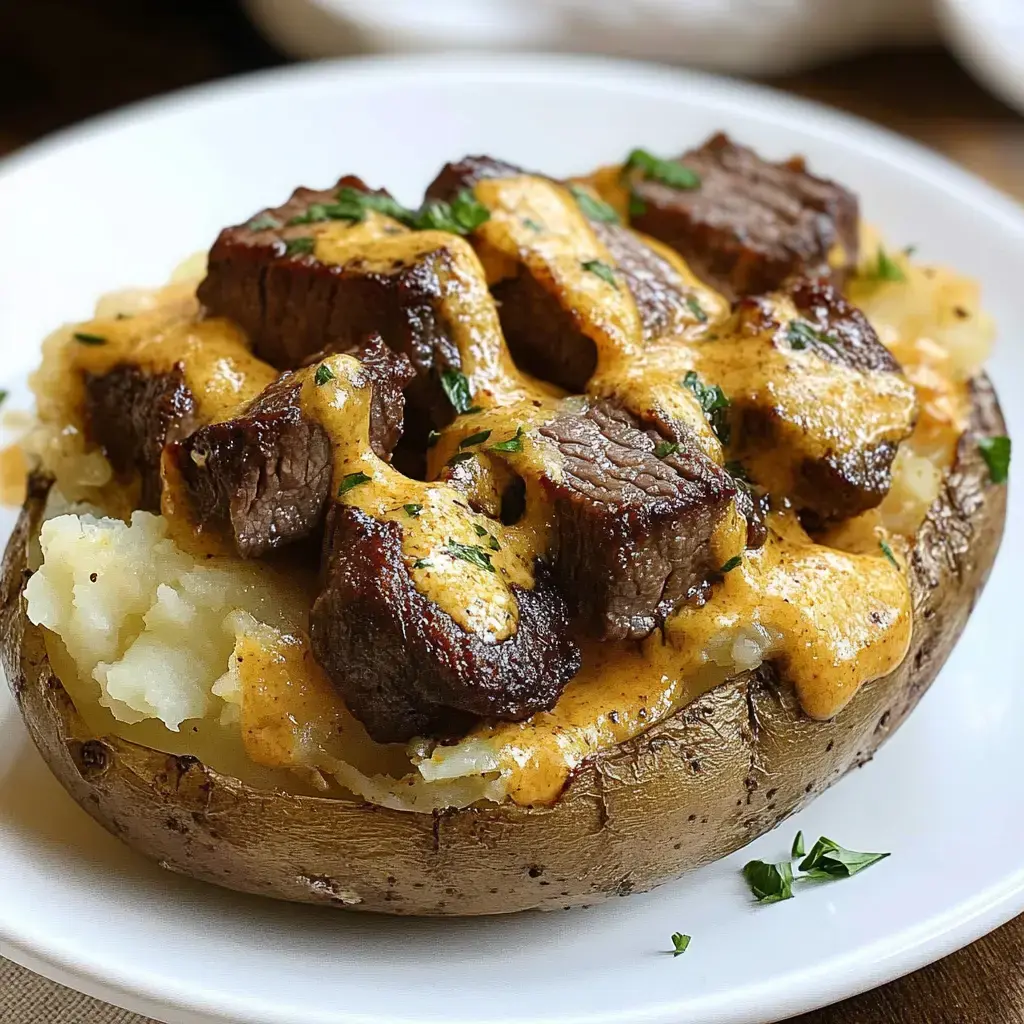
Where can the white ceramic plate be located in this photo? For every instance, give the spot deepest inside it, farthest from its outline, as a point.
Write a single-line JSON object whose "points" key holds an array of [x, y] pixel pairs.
{"points": [[120, 200]]}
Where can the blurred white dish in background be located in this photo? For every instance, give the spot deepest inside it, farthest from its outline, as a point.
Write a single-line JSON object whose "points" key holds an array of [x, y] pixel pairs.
{"points": [[738, 36]]}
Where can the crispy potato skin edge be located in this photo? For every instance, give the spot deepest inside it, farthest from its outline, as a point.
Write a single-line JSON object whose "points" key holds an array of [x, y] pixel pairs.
{"points": [[699, 785]]}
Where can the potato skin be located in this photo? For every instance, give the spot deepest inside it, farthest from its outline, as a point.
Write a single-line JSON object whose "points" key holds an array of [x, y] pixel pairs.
{"points": [[708, 780]]}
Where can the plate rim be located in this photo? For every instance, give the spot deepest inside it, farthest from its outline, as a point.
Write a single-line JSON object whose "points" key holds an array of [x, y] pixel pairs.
{"points": [[882, 961]]}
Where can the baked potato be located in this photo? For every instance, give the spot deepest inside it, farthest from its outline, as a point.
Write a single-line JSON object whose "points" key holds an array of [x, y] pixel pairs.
{"points": [[719, 766]]}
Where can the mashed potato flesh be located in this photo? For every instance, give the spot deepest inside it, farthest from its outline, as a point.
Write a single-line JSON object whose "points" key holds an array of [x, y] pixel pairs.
{"points": [[164, 637]]}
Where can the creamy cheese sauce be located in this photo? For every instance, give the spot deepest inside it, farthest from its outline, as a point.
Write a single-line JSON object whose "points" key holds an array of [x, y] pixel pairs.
{"points": [[832, 619]]}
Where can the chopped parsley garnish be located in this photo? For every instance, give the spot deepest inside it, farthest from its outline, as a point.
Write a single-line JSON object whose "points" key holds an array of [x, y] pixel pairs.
{"points": [[680, 944], [323, 374], [770, 883], [996, 453], [602, 270], [492, 543], [456, 387], [463, 215], [461, 457], [351, 204], [886, 268], [733, 562], [909, 250], [352, 480], [668, 172], [263, 222], [433, 437], [529, 222], [474, 439], [714, 403], [299, 246], [828, 859], [479, 530], [3, 396], [664, 448], [470, 553], [413, 509], [637, 207], [798, 846], [513, 444], [90, 339], [887, 551], [593, 208], [696, 309], [800, 334], [422, 563]]}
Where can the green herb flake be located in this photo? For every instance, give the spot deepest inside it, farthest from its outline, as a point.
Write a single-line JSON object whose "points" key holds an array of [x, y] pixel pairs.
{"points": [[529, 222], [770, 883], [637, 207], [887, 551], [593, 208], [602, 270], [714, 403], [733, 563], [696, 309], [828, 859], [89, 339], [433, 437], [299, 246], [668, 172], [413, 509], [3, 396], [323, 374], [886, 268], [492, 543], [799, 334], [996, 453], [680, 944], [462, 216], [456, 387], [513, 444], [352, 480], [422, 563], [263, 222], [798, 846], [479, 530], [664, 448], [470, 553], [475, 439], [909, 250], [461, 457]]}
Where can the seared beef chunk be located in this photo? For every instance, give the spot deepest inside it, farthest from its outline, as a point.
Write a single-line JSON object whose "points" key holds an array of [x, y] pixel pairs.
{"points": [[132, 414], [750, 224], [835, 485], [292, 305], [633, 528], [543, 334], [266, 475], [404, 667]]}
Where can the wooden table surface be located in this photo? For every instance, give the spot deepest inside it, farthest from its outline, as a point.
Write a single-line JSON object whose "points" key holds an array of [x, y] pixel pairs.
{"points": [[110, 52]]}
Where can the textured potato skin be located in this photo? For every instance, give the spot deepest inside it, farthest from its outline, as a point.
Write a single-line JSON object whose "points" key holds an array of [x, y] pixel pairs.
{"points": [[697, 786]]}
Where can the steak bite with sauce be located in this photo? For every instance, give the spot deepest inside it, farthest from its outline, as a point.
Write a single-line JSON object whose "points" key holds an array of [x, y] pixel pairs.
{"points": [[404, 666], [265, 475], [545, 329], [266, 277], [818, 405], [634, 520], [745, 225], [131, 414]]}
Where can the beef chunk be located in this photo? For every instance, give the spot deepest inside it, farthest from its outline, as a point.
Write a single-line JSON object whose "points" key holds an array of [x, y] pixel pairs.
{"points": [[404, 667], [750, 224], [796, 456], [132, 415], [265, 476], [543, 332], [633, 529], [293, 306]]}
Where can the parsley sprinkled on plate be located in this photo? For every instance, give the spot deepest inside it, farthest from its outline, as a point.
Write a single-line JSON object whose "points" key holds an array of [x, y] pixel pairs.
{"points": [[474, 439], [470, 553], [799, 334], [668, 172], [89, 339], [323, 374], [664, 448], [828, 859], [996, 453], [680, 944], [456, 388], [352, 480], [714, 403], [887, 551], [733, 563], [602, 270], [770, 883], [303, 246], [513, 444], [798, 846], [592, 207]]}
